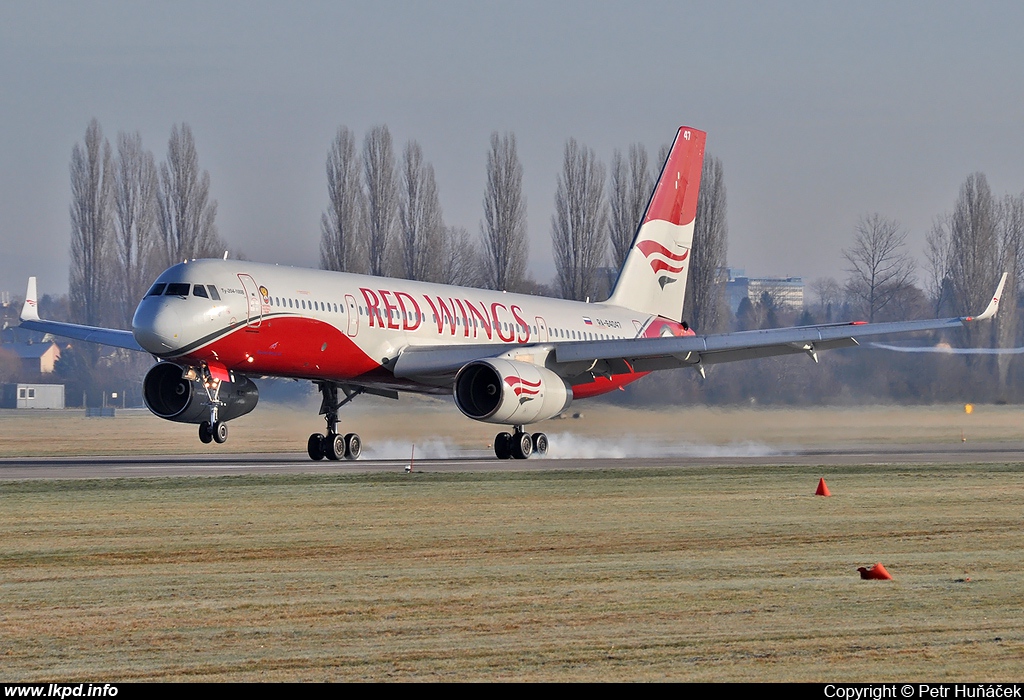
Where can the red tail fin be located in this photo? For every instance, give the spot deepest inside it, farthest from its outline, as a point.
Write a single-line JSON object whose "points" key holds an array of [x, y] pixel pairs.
{"points": [[653, 278], [675, 196]]}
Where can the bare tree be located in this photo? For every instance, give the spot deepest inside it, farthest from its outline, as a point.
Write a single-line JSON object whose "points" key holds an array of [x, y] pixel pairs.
{"points": [[135, 224], [630, 190], [578, 224], [459, 258], [879, 264], [974, 258], [830, 298], [187, 213], [381, 196], [705, 294], [504, 225], [419, 213], [662, 156], [92, 179], [341, 224], [1011, 242], [937, 253]]}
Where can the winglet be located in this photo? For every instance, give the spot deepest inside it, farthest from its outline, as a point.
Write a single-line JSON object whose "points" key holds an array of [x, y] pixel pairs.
{"points": [[993, 305], [30, 311]]}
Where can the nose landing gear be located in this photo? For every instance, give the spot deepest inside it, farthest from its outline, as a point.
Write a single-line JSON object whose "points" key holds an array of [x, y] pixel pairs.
{"points": [[213, 432]]}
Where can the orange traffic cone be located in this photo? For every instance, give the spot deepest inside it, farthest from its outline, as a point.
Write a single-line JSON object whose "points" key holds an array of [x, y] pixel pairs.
{"points": [[875, 573], [822, 489]]}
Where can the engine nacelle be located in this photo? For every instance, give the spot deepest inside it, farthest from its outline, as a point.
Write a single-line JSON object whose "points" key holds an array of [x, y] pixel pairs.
{"points": [[170, 395], [510, 392]]}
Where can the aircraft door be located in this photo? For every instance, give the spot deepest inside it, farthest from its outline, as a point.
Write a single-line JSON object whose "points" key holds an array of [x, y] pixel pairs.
{"points": [[353, 315], [254, 309], [542, 330]]}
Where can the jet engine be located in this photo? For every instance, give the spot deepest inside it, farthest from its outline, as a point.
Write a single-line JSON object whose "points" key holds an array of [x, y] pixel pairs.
{"points": [[510, 392], [171, 395]]}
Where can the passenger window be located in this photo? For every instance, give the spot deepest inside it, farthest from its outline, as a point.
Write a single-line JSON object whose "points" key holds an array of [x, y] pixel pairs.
{"points": [[214, 294], [200, 291], [156, 290]]}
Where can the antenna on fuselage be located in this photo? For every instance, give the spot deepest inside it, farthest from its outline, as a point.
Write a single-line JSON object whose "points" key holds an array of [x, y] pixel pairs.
{"points": [[225, 255]]}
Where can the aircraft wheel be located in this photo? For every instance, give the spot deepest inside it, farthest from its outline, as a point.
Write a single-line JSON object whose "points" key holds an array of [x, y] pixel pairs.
{"points": [[315, 447], [503, 446], [540, 444], [334, 447], [205, 433], [220, 432], [522, 445], [353, 446]]}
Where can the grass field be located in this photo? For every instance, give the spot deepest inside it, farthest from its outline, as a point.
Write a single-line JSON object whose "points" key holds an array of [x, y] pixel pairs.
{"points": [[725, 573]]}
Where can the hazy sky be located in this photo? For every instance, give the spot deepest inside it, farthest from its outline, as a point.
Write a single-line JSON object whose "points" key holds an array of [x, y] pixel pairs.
{"points": [[820, 112]]}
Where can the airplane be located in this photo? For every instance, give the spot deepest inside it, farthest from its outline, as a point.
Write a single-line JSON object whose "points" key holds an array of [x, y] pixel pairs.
{"points": [[507, 359]]}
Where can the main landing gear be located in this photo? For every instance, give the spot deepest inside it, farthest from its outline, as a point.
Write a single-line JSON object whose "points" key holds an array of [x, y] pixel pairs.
{"points": [[334, 445], [519, 444]]}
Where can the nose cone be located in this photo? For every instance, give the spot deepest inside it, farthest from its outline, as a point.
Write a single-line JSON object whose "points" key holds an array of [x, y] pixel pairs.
{"points": [[157, 326]]}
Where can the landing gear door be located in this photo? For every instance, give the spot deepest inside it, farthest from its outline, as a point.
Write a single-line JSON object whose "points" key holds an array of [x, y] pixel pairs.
{"points": [[542, 330], [254, 309], [353, 315]]}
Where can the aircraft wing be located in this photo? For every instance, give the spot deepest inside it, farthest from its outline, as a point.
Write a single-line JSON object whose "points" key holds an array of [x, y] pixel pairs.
{"points": [[647, 354], [582, 360], [105, 336]]}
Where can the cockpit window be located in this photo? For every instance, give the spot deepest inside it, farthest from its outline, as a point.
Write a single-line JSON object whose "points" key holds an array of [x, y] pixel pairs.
{"points": [[156, 290], [214, 294], [200, 291], [178, 289]]}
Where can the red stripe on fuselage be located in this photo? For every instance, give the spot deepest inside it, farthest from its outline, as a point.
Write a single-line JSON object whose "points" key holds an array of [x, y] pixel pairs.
{"points": [[288, 346], [602, 385]]}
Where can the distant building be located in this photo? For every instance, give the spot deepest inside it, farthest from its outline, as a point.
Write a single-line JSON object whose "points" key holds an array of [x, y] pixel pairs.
{"points": [[785, 291], [36, 358], [32, 396]]}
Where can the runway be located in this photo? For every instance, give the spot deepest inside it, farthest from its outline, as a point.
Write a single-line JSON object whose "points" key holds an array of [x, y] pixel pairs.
{"points": [[105, 467]]}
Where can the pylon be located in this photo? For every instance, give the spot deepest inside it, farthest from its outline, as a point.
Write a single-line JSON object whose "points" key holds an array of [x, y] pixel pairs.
{"points": [[875, 573], [822, 488]]}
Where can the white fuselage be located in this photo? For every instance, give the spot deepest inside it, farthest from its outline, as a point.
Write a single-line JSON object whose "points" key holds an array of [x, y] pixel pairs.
{"points": [[316, 324]]}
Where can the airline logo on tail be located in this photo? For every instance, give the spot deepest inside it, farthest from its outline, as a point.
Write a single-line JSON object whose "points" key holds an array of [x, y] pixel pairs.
{"points": [[663, 260]]}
